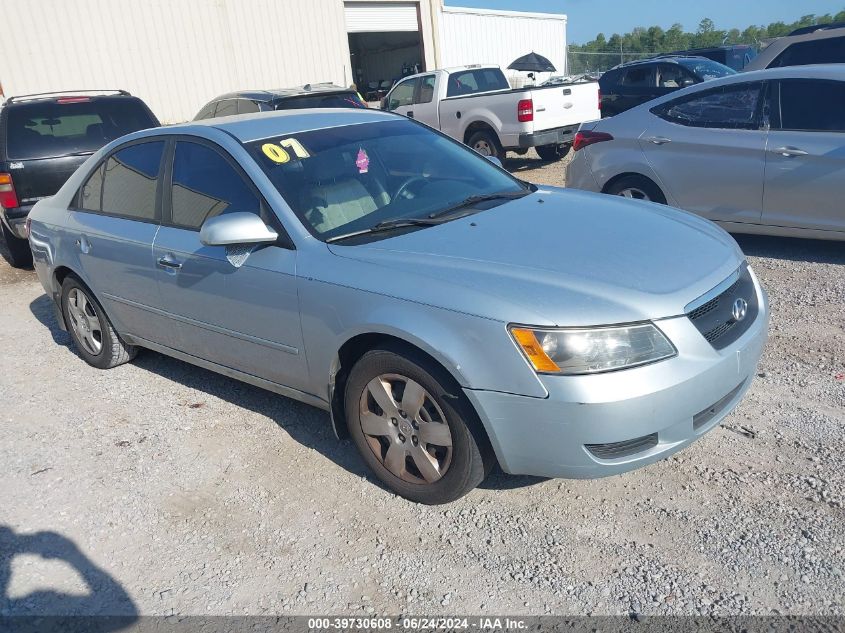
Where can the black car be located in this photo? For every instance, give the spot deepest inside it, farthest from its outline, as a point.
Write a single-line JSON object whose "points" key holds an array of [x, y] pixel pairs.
{"points": [[44, 138], [307, 96], [631, 84]]}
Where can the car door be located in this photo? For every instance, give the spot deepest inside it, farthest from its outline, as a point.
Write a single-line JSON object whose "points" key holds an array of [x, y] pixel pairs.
{"points": [[234, 306], [708, 149], [113, 224], [805, 157], [401, 98], [425, 106]]}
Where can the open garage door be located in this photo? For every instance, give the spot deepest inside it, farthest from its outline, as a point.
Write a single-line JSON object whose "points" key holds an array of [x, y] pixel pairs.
{"points": [[384, 44]]}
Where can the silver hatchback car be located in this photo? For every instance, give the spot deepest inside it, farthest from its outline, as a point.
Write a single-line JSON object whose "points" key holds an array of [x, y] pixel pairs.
{"points": [[447, 314], [759, 152]]}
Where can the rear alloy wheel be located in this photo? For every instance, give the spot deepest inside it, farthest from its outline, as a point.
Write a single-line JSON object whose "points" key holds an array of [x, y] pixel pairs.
{"points": [[637, 188], [415, 440], [89, 327], [486, 144], [20, 255], [553, 152]]}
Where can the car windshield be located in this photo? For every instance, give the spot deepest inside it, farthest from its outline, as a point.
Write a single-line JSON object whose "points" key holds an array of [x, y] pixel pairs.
{"points": [[49, 129], [707, 69], [335, 100], [346, 179]]}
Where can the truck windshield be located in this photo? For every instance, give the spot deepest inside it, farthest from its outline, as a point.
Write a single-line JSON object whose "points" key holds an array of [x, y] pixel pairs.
{"points": [[345, 179], [47, 129], [706, 69]]}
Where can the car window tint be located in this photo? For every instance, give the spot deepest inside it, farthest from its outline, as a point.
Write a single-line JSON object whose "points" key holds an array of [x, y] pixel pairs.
{"points": [[246, 106], [44, 129], [402, 95], [129, 181], [827, 51], [91, 193], [227, 107], [426, 94], [812, 106], [639, 78], [671, 76], [733, 107], [206, 185]]}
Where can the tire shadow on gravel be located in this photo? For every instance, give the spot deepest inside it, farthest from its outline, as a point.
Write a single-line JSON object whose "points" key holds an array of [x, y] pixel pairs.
{"points": [[104, 597], [792, 248], [44, 310]]}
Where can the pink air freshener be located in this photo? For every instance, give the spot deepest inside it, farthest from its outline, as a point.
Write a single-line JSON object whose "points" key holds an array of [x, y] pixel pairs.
{"points": [[363, 161]]}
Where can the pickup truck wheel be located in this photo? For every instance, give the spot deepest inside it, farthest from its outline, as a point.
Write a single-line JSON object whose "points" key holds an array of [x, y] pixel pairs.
{"points": [[415, 434], [92, 333], [553, 152], [637, 188], [486, 144], [20, 256]]}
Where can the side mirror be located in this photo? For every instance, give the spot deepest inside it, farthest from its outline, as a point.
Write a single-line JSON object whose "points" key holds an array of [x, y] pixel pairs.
{"points": [[495, 161], [686, 82], [236, 228]]}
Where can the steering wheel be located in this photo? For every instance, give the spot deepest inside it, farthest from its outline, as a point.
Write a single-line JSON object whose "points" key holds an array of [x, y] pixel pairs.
{"points": [[405, 185]]}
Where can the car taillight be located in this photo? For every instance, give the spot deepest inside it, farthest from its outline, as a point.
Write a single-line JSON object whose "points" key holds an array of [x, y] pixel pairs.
{"points": [[582, 139], [8, 197], [525, 110], [73, 100]]}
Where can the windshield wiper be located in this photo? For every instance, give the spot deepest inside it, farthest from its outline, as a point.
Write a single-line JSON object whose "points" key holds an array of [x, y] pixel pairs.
{"points": [[386, 225], [472, 200]]}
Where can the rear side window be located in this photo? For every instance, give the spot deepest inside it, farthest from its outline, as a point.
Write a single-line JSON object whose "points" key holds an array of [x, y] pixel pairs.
{"points": [[129, 182], [247, 106], [826, 51], [730, 107], [639, 77], [206, 185], [335, 100], [810, 105], [54, 128]]}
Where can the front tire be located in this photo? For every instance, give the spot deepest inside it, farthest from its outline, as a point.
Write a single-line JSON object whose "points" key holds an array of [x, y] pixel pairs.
{"points": [[93, 334], [20, 255], [637, 188], [485, 143], [416, 433], [553, 152]]}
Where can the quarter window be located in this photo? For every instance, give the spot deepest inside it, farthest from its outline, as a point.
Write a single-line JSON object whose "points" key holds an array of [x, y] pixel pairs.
{"points": [[811, 106], [206, 185], [91, 194], [730, 107], [130, 178]]}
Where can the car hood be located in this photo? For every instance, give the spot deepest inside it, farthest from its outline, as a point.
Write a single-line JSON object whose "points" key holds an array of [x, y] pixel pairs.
{"points": [[555, 257]]}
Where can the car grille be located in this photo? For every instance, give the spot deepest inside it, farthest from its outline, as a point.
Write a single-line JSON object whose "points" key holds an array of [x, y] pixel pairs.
{"points": [[626, 448], [715, 319], [703, 417]]}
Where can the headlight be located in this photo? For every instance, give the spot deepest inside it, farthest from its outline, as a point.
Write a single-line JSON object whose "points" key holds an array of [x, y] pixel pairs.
{"points": [[592, 350]]}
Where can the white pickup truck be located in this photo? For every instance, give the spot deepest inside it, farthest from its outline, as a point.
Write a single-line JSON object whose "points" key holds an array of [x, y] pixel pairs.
{"points": [[476, 105]]}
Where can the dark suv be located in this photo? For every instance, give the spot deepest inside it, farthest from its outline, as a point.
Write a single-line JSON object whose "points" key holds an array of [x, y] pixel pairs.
{"points": [[307, 96], [44, 138], [629, 85]]}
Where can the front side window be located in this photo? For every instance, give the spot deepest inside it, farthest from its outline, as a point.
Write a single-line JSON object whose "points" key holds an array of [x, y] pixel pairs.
{"points": [[130, 179], [206, 185], [809, 105], [730, 107], [672, 76], [403, 94], [349, 178], [830, 50]]}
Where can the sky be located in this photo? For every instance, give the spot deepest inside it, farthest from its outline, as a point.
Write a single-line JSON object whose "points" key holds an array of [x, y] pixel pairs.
{"points": [[587, 18]]}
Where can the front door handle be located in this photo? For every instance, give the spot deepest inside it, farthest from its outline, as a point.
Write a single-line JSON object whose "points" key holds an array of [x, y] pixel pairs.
{"points": [[169, 264], [790, 152], [659, 140]]}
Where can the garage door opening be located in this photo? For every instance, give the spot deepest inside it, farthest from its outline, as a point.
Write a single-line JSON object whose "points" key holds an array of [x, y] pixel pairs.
{"points": [[384, 44]]}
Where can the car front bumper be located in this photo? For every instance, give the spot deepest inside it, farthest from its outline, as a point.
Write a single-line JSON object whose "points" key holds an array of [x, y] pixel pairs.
{"points": [[605, 424]]}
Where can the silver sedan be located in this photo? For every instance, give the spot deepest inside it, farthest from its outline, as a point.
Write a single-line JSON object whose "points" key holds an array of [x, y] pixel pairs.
{"points": [[760, 152], [446, 314]]}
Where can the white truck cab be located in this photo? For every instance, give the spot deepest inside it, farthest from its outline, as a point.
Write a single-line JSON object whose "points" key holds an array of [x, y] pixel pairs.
{"points": [[476, 105]]}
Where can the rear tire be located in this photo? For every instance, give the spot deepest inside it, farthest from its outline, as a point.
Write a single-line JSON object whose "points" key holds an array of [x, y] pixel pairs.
{"points": [[485, 143], [93, 334], [637, 188], [553, 152], [433, 453], [20, 255]]}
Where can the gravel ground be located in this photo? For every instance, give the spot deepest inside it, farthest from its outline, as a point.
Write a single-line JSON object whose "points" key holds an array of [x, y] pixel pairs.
{"points": [[171, 490]]}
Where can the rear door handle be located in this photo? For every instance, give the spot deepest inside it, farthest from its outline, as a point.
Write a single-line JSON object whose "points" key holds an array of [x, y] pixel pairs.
{"points": [[659, 140], [165, 262], [790, 152]]}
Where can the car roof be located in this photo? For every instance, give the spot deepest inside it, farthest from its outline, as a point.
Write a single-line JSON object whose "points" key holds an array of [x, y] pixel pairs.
{"points": [[259, 125], [282, 93], [91, 95], [659, 58]]}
